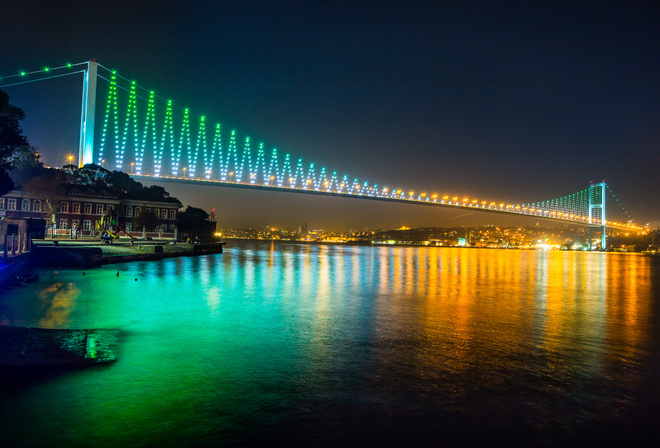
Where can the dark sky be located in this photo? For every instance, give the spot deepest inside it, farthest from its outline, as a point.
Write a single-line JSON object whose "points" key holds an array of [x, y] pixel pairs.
{"points": [[503, 101]]}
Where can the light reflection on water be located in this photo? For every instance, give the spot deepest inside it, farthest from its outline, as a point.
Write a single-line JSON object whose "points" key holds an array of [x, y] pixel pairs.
{"points": [[276, 339]]}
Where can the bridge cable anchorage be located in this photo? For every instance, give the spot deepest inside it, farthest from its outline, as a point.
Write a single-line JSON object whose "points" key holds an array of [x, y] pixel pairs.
{"points": [[156, 138]]}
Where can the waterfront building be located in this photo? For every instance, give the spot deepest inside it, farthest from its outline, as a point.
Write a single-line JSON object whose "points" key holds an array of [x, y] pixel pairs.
{"points": [[80, 209]]}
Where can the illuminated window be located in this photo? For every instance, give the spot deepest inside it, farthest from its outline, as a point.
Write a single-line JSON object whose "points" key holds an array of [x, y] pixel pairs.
{"points": [[11, 204], [36, 205], [65, 207], [25, 205], [99, 209], [76, 207]]}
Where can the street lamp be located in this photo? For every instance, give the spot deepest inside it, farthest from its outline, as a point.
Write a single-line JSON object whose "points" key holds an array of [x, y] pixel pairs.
{"points": [[102, 162], [133, 163], [70, 157], [231, 173], [184, 171]]}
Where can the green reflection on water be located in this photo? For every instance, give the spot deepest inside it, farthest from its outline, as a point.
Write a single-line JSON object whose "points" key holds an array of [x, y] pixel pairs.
{"points": [[217, 346]]}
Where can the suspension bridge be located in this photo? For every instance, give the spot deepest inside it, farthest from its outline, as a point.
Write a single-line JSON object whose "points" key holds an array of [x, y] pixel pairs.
{"points": [[147, 136]]}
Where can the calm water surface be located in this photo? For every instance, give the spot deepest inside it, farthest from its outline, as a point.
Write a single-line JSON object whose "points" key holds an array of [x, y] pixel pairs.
{"points": [[290, 344]]}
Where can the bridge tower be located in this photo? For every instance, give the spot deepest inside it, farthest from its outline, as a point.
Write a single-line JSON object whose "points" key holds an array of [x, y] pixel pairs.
{"points": [[86, 151], [597, 210]]}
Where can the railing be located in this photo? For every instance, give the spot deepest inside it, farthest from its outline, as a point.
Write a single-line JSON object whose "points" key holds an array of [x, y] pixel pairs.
{"points": [[16, 244]]}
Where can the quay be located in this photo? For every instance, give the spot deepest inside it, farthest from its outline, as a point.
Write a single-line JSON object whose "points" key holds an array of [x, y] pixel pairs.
{"points": [[93, 253]]}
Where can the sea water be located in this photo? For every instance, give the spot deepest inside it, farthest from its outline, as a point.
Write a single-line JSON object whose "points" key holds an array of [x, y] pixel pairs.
{"points": [[275, 343]]}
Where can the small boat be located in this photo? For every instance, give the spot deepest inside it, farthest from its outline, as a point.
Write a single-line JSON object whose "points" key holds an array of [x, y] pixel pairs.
{"points": [[24, 346]]}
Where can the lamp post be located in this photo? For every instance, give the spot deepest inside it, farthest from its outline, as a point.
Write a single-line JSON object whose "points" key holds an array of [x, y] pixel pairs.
{"points": [[133, 163]]}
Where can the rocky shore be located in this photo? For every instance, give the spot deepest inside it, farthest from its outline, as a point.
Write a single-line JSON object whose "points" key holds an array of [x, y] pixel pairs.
{"points": [[23, 347]]}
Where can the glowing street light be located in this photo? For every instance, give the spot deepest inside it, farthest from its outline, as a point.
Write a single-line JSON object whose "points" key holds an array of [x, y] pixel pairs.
{"points": [[133, 163]]}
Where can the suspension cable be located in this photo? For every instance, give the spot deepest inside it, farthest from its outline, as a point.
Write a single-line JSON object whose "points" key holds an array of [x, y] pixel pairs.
{"points": [[42, 79]]}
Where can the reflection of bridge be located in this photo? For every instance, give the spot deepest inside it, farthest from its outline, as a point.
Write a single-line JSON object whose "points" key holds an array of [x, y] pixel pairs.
{"points": [[149, 137]]}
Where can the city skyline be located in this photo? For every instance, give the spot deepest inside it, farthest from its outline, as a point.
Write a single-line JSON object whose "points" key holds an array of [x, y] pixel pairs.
{"points": [[514, 103]]}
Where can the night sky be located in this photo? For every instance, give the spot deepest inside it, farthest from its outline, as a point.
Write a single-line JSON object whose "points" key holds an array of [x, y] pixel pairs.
{"points": [[502, 101]]}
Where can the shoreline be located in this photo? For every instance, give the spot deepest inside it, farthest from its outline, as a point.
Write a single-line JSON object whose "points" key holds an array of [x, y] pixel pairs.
{"points": [[93, 253]]}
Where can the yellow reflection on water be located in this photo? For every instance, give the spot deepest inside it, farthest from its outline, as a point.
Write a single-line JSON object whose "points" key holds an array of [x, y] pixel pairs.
{"points": [[56, 302], [557, 302]]}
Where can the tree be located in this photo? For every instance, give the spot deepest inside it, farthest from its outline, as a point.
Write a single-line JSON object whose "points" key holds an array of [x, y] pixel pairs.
{"points": [[124, 183], [90, 174], [194, 222], [146, 219], [15, 149], [45, 183]]}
